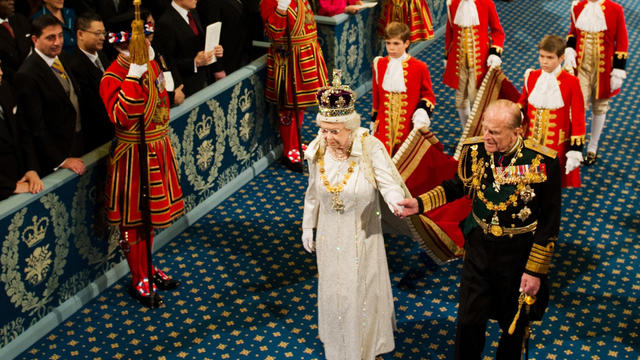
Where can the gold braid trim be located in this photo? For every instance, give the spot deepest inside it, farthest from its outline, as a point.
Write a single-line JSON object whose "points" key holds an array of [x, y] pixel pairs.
{"points": [[622, 55], [577, 140], [540, 257], [433, 198]]}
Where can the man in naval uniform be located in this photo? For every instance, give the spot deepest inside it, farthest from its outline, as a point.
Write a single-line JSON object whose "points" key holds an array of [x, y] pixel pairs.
{"points": [[510, 233]]}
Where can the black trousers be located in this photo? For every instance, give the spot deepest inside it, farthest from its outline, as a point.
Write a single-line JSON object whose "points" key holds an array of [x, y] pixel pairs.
{"points": [[489, 289]]}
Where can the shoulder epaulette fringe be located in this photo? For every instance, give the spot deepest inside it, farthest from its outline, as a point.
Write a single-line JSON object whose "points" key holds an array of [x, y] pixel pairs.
{"points": [[472, 140], [535, 146]]}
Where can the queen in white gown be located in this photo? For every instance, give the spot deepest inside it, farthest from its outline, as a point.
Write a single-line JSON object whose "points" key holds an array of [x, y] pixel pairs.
{"points": [[347, 169]]}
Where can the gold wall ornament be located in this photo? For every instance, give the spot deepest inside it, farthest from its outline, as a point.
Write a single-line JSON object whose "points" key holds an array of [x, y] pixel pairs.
{"points": [[203, 128], [37, 265], [26, 300], [239, 132], [35, 233], [246, 99], [11, 330], [214, 162], [204, 155], [94, 256]]}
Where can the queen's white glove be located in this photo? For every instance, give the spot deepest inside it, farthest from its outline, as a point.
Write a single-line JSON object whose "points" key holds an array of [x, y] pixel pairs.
{"points": [[283, 5], [420, 119], [570, 58], [574, 158], [494, 60], [136, 70], [307, 240], [392, 201], [617, 77]]}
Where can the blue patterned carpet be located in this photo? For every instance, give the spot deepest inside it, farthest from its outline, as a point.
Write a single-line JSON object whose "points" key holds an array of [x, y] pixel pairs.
{"points": [[249, 288]]}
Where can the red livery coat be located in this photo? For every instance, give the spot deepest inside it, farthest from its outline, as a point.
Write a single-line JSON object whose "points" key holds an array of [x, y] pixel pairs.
{"points": [[612, 43], [414, 13], [310, 71], [126, 99], [558, 129], [454, 48], [394, 124]]}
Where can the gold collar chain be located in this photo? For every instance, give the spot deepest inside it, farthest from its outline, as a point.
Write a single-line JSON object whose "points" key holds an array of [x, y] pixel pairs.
{"points": [[336, 202]]}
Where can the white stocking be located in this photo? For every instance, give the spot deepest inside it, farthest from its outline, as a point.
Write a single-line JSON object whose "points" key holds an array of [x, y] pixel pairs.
{"points": [[597, 124]]}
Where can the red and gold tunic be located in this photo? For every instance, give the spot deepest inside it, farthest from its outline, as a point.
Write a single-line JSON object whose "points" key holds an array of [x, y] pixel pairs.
{"points": [[310, 72], [469, 46], [610, 47], [125, 100], [560, 129], [414, 13], [393, 111]]}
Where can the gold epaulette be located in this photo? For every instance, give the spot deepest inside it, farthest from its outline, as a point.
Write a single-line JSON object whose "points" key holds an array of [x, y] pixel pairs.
{"points": [[473, 140], [535, 146], [540, 258]]}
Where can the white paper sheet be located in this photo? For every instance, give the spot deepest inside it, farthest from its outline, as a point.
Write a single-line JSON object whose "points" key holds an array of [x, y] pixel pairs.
{"points": [[366, 5], [212, 38]]}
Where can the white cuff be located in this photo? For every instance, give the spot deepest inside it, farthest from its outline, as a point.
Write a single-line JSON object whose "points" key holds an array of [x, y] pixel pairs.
{"points": [[283, 5], [136, 70]]}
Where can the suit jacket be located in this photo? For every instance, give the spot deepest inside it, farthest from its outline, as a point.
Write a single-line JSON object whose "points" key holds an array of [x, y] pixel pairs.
{"points": [[235, 36], [96, 126], [107, 9], [179, 45], [13, 51], [47, 111], [12, 151]]}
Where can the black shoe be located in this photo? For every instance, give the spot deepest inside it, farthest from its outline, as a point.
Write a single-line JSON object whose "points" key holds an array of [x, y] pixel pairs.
{"points": [[165, 284], [590, 159], [295, 167], [151, 301]]}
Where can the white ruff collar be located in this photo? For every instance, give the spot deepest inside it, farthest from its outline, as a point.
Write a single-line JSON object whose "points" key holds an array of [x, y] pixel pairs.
{"points": [[394, 76], [467, 14], [591, 18], [546, 93]]}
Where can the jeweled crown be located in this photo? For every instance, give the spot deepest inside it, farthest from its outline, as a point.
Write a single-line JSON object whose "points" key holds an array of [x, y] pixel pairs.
{"points": [[336, 100]]}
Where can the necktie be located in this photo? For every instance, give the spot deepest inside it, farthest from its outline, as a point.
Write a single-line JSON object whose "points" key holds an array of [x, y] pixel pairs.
{"points": [[115, 4], [9, 29], [57, 67], [99, 64], [192, 24]]}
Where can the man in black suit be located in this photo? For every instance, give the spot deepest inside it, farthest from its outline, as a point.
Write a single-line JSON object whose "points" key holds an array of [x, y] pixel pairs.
{"points": [[87, 66], [179, 37], [14, 41], [19, 168], [235, 36], [48, 101]]}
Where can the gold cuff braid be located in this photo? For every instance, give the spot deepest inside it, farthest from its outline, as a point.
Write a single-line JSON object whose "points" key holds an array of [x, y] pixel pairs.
{"points": [[577, 140], [540, 258], [433, 198]]}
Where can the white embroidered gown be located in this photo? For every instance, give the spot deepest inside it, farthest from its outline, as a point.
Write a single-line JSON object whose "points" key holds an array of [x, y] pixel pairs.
{"points": [[355, 305]]}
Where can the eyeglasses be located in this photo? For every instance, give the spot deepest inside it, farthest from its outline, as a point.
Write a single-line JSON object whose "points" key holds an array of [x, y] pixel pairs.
{"points": [[97, 33], [331, 131]]}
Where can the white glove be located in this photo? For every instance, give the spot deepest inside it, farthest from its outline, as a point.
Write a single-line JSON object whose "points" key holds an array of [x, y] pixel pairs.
{"points": [[570, 58], [152, 54], [420, 119], [136, 70], [283, 5], [617, 76], [444, 63], [494, 60], [392, 201], [307, 240], [574, 158]]}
